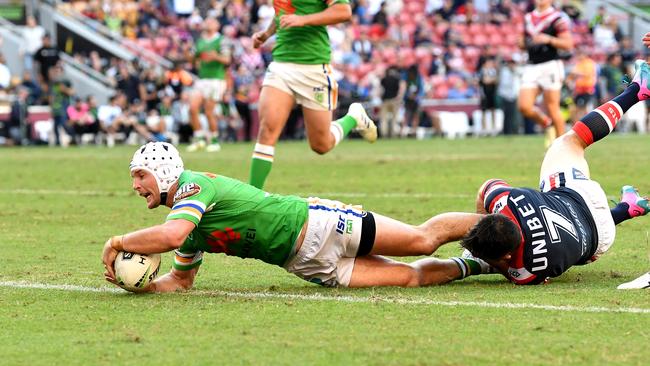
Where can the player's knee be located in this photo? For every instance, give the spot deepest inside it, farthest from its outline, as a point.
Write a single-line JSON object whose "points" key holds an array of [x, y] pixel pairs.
{"points": [[526, 110], [320, 147], [424, 244]]}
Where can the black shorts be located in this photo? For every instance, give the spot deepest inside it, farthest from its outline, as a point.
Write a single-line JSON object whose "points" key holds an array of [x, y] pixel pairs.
{"points": [[582, 100]]}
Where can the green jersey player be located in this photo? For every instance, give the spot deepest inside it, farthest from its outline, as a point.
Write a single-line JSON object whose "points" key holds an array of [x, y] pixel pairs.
{"points": [[319, 240], [212, 57], [301, 74]]}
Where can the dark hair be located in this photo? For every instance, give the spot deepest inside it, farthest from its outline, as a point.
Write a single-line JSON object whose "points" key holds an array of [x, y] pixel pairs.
{"points": [[492, 237]]}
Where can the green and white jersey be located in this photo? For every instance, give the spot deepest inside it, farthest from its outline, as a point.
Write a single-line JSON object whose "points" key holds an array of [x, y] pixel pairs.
{"points": [[235, 218], [211, 69], [309, 45]]}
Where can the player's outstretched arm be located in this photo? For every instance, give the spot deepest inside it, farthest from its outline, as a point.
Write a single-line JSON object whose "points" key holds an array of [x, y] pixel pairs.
{"points": [[646, 40], [337, 13], [156, 239], [175, 280]]}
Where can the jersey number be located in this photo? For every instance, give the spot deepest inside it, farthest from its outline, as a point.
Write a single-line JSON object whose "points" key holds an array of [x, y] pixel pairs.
{"points": [[556, 221]]}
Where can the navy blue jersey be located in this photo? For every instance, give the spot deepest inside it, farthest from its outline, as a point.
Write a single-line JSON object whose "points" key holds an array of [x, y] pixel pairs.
{"points": [[557, 229], [552, 22]]}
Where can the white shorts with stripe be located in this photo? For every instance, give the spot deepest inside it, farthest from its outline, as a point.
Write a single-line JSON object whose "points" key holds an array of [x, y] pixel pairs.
{"points": [[312, 86], [593, 195], [331, 243], [213, 89], [547, 75]]}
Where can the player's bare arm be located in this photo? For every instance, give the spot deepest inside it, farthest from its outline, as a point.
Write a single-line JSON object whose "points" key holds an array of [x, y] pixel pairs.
{"points": [[563, 41], [260, 37], [337, 13], [646, 40], [156, 239]]}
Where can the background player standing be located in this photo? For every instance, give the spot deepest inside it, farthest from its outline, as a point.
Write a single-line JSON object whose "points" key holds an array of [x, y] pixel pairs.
{"points": [[546, 32], [212, 57], [301, 74]]}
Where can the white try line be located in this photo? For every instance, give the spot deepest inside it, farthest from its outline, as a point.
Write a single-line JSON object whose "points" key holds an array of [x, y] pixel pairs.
{"points": [[397, 195], [347, 299]]}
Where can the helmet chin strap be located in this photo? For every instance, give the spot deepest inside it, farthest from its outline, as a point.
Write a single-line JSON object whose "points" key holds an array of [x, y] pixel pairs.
{"points": [[163, 198]]}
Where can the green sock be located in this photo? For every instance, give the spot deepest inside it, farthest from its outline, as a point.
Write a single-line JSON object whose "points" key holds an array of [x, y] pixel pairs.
{"points": [[468, 267], [261, 165], [214, 140], [347, 123]]}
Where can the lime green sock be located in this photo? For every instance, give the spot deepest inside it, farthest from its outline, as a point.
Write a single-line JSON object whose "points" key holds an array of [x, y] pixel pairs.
{"points": [[261, 165], [214, 140], [347, 123]]}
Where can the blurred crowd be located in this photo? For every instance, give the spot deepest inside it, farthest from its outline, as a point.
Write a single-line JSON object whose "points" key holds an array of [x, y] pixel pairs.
{"points": [[398, 57]]}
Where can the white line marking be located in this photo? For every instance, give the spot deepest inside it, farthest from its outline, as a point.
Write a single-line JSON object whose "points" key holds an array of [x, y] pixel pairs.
{"points": [[348, 299], [397, 195]]}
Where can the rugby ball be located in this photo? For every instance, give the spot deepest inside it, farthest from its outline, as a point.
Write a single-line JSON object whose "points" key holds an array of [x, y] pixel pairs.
{"points": [[134, 271]]}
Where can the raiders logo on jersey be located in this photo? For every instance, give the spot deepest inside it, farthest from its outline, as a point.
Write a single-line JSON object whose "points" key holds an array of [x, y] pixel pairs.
{"points": [[187, 190]]}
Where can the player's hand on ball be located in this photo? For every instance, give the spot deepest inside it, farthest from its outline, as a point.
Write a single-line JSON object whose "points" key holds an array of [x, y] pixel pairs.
{"points": [[646, 40], [108, 257], [291, 20]]}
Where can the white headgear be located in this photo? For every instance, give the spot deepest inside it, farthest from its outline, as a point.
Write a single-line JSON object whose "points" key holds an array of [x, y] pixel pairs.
{"points": [[162, 160]]}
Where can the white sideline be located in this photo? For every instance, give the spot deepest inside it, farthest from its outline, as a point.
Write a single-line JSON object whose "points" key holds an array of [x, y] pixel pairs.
{"points": [[72, 192], [348, 299]]}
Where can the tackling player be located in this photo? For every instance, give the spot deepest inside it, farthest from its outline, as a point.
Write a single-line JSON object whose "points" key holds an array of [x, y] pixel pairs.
{"points": [[546, 32], [530, 235], [212, 59], [319, 240], [301, 74]]}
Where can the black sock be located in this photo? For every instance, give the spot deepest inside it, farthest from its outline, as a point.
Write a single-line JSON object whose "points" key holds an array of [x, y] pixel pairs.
{"points": [[601, 121], [620, 213]]}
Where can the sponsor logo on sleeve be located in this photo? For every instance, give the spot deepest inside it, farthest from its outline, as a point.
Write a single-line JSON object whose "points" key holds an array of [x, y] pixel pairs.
{"points": [[187, 190]]}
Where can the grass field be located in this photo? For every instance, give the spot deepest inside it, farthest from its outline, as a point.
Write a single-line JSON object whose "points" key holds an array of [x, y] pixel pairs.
{"points": [[57, 207]]}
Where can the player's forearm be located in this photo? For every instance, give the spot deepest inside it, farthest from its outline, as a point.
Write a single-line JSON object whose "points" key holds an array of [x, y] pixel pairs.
{"points": [[451, 226], [335, 14], [226, 60], [155, 239], [270, 31], [563, 42]]}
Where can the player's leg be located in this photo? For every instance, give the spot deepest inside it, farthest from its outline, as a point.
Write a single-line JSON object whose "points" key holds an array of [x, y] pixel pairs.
{"points": [[212, 137], [318, 127], [395, 238], [552, 104], [637, 284], [198, 134], [527, 98], [275, 105], [373, 270], [632, 205], [568, 150]]}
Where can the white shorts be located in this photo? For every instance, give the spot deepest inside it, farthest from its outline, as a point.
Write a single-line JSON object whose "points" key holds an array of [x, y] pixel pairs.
{"points": [[312, 86], [546, 76], [213, 89], [595, 198], [331, 243]]}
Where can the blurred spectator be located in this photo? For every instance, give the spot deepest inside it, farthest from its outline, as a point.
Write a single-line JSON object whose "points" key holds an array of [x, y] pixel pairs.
{"points": [[611, 75], [183, 8], [177, 79], [17, 129], [460, 90], [413, 93], [362, 11], [446, 11], [501, 12], [572, 9], [598, 18], [33, 37], [81, 120], [627, 52], [488, 77], [584, 76], [47, 57], [508, 90], [381, 18], [5, 74], [129, 83], [362, 46], [243, 84], [181, 116], [393, 87], [60, 94], [35, 91], [112, 119], [607, 34]]}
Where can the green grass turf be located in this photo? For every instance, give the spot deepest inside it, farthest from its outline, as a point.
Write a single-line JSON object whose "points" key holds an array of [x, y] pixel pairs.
{"points": [[57, 207]]}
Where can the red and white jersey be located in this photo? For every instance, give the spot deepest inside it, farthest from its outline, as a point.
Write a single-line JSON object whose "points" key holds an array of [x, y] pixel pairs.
{"points": [[557, 229], [552, 22]]}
